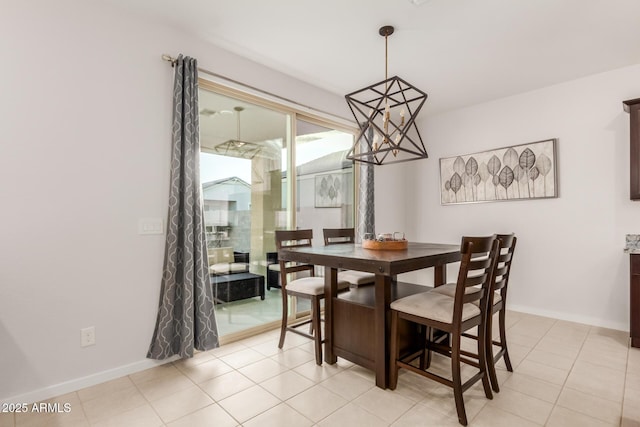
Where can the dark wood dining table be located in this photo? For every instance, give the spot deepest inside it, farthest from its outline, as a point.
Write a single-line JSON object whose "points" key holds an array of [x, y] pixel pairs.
{"points": [[357, 322]]}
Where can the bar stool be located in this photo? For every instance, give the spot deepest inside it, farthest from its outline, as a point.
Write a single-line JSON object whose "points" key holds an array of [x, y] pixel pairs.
{"points": [[310, 287], [498, 303], [454, 316], [336, 236]]}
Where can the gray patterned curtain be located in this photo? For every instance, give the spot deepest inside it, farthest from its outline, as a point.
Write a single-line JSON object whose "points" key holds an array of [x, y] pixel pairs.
{"points": [[186, 318], [366, 205]]}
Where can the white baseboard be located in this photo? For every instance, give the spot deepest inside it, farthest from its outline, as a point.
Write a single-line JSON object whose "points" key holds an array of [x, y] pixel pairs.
{"points": [[593, 321], [88, 381]]}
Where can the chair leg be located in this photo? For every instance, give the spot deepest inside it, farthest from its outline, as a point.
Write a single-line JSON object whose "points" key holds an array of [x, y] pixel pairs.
{"points": [[457, 378], [425, 357], [482, 359], [285, 315], [503, 338], [490, 360], [393, 352], [315, 321]]}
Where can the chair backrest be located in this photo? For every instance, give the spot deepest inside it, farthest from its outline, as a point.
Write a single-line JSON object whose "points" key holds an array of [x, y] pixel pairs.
{"points": [[503, 265], [334, 236], [293, 239], [479, 257]]}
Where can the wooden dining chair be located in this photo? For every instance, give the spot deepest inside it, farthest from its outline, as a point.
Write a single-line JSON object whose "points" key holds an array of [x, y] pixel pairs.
{"points": [[454, 316], [498, 304], [310, 287], [336, 236]]}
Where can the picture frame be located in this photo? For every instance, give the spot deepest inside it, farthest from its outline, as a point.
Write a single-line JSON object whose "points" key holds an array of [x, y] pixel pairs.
{"points": [[328, 191], [518, 172]]}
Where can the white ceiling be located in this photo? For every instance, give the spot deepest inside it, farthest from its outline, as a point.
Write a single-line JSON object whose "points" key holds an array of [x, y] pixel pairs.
{"points": [[461, 52]]}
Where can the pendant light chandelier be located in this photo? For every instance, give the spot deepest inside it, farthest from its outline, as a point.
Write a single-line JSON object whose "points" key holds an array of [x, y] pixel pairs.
{"points": [[386, 113], [237, 147]]}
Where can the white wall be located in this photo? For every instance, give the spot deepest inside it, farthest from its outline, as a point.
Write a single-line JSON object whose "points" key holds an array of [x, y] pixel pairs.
{"points": [[569, 262], [85, 115]]}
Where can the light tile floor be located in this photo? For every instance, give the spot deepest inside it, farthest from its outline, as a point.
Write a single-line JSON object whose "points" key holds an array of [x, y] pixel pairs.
{"points": [[565, 374]]}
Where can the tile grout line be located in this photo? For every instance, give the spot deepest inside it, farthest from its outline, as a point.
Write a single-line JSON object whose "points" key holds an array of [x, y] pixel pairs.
{"points": [[624, 388], [515, 368]]}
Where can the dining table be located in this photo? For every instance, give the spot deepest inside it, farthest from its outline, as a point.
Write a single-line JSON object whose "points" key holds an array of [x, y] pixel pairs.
{"points": [[357, 323]]}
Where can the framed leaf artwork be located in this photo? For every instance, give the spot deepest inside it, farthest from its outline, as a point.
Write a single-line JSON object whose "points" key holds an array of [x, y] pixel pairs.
{"points": [[328, 191], [519, 172]]}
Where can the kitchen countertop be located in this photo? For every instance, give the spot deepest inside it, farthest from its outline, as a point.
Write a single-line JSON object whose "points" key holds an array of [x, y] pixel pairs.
{"points": [[632, 244]]}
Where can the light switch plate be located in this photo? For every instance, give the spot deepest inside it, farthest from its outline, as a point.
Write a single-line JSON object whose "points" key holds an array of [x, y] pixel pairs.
{"points": [[150, 226]]}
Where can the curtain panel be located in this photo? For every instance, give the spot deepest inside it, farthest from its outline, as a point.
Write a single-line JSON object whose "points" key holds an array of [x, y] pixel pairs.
{"points": [[366, 203], [186, 319]]}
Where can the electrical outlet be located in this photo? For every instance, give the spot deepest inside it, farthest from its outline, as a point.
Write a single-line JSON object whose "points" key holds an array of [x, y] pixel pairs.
{"points": [[87, 336]]}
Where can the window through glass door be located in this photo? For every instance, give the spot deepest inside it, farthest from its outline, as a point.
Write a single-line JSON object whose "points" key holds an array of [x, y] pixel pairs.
{"points": [[324, 178], [264, 167]]}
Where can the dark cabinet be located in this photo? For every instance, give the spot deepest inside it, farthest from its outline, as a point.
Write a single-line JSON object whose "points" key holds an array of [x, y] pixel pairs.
{"points": [[632, 107], [634, 300]]}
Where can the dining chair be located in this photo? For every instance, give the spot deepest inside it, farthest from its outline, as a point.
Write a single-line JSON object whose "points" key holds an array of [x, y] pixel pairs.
{"points": [[454, 316], [310, 287], [498, 302], [336, 236]]}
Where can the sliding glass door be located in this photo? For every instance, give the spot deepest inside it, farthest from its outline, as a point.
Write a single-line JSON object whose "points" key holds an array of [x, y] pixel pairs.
{"points": [[252, 186], [324, 178], [244, 197]]}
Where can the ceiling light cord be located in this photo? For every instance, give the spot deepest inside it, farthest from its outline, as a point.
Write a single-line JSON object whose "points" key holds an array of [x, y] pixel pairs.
{"points": [[386, 57]]}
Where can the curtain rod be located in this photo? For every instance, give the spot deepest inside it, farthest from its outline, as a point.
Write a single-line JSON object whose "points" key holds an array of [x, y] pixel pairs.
{"points": [[173, 61]]}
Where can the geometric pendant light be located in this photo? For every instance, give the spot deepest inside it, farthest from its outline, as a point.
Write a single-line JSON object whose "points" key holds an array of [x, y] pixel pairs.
{"points": [[386, 114]]}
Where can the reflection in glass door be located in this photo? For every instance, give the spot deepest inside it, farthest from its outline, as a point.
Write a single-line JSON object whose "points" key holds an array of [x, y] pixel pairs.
{"points": [[243, 150], [324, 178], [249, 190], [324, 182]]}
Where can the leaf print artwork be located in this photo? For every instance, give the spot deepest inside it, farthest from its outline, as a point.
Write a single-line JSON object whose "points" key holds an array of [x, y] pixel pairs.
{"points": [[470, 170], [467, 182], [476, 183], [534, 173], [517, 172], [458, 166], [494, 169], [456, 184], [519, 175], [544, 166], [471, 167], [328, 191], [510, 158], [494, 165], [483, 173], [527, 159], [506, 179], [447, 186]]}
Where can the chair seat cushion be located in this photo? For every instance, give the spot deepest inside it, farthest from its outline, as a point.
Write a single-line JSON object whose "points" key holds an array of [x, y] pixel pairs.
{"points": [[312, 285], [450, 290], [433, 305], [357, 278]]}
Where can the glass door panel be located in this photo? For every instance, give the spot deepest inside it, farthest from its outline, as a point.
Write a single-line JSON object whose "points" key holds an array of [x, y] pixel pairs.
{"points": [[324, 182], [324, 179], [243, 151]]}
